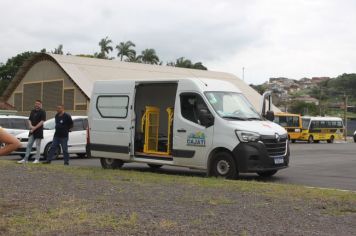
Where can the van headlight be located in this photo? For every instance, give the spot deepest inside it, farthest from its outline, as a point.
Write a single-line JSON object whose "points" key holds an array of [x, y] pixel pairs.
{"points": [[247, 136]]}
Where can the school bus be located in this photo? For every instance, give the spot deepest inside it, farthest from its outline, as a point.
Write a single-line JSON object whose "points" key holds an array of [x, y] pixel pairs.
{"points": [[315, 129], [291, 122]]}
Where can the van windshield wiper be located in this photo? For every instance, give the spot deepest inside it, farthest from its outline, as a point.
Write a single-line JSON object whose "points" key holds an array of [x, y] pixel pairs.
{"points": [[234, 117], [253, 118]]}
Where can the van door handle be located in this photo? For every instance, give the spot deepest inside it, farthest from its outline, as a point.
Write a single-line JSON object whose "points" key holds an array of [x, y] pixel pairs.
{"points": [[181, 131], [120, 128]]}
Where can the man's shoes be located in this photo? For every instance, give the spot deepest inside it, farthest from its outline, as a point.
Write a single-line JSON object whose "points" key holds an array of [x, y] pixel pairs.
{"points": [[46, 162], [22, 161], [36, 161], [66, 163]]}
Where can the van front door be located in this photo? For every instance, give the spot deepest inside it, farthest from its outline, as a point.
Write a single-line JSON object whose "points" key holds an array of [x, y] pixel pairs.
{"points": [[112, 131], [193, 130]]}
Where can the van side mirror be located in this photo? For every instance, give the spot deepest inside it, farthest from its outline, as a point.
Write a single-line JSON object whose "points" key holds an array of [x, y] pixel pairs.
{"points": [[270, 115], [206, 118]]}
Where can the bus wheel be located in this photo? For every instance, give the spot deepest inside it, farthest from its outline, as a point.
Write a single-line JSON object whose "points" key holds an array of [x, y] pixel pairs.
{"points": [[109, 163], [310, 139], [224, 166], [331, 140], [154, 166], [269, 173], [293, 140]]}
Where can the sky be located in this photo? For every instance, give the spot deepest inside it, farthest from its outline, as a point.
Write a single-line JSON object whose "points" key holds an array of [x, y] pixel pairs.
{"points": [[268, 38]]}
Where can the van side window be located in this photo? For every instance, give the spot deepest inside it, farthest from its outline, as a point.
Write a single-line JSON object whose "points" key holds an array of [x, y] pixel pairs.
{"points": [[112, 106], [191, 107]]}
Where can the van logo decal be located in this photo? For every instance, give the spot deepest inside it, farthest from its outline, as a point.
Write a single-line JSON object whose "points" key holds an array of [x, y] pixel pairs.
{"points": [[278, 138], [196, 139]]}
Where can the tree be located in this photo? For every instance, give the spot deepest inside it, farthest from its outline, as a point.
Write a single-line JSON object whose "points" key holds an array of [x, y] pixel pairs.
{"points": [[148, 56], [261, 88], [105, 48], [10, 68], [134, 58], [303, 108], [124, 50], [185, 63], [58, 50]]}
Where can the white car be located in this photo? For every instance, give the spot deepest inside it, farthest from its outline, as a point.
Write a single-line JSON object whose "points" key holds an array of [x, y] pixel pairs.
{"points": [[76, 143], [14, 124]]}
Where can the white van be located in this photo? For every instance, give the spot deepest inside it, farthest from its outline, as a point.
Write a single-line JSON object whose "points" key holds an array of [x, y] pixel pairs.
{"points": [[197, 123]]}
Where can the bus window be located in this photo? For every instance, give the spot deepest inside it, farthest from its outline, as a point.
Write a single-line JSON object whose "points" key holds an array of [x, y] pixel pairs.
{"points": [[305, 123]]}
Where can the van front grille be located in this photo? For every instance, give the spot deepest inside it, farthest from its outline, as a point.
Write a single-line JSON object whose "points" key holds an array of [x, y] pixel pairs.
{"points": [[274, 146]]}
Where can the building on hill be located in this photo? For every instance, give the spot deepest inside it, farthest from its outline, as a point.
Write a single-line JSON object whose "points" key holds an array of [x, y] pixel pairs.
{"points": [[63, 79]]}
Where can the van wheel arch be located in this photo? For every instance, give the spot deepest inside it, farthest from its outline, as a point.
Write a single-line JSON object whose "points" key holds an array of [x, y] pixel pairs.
{"points": [[109, 163], [221, 152]]}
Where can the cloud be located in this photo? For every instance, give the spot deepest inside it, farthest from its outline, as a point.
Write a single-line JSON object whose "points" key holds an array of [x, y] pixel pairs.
{"points": [[269, 38]]}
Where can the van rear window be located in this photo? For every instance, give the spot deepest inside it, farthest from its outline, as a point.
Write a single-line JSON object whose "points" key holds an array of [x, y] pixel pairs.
{"points": [[112, 106]]}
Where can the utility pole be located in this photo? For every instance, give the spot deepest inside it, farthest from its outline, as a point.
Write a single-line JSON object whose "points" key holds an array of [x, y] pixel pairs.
{"points": [[345, 116], [320, 100]]}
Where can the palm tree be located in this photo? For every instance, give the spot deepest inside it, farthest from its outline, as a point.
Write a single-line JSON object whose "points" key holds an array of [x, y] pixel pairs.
{"points": [[124, 49], [148, 56], [105, 48], [134, 58]]}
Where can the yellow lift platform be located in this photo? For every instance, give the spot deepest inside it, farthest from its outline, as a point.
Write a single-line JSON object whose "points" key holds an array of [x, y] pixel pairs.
{"points": [[150, 128]]}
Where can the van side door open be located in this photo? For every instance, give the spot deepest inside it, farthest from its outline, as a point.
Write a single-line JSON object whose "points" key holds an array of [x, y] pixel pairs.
{"points": [[193, 130], [112, 116]]}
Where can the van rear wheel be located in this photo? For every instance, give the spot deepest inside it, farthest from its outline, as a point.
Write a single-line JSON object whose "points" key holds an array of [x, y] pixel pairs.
{"points": [[223, 165], [109, 163]]}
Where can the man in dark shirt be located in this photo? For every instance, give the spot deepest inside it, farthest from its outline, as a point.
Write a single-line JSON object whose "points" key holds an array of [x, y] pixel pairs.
{"points": [[64, 123], [35, 121]]}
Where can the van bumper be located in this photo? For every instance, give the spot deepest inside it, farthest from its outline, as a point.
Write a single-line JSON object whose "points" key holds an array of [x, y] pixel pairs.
{"points": [[253, 157]]}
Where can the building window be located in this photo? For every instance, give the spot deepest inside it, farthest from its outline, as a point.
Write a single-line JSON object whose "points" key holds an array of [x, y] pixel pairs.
{"points": [[68, 99], [31, 92], [18, 101], [52, 95]]}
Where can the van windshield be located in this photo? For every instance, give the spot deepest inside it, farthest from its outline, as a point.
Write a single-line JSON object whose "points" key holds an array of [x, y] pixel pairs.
{"points": [[232, 105]]}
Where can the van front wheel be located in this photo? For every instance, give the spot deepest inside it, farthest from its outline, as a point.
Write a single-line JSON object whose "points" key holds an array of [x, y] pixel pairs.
{"points": [[109, 163], [331, 140], [223, 165]]}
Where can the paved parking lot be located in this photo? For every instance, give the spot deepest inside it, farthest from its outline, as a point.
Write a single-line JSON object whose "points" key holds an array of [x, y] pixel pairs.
{"points": [[317, 165]]}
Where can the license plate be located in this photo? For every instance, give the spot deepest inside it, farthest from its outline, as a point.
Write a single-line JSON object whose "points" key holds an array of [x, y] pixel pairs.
{"points": [[278, 160]]}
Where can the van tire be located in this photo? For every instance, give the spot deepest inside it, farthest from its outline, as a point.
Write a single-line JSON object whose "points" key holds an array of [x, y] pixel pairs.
{"points": [[154, 166], [293, 140], [46, 151], [267, 174], [331, 140], [310, 139], [223, 165], [109, 163]]}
